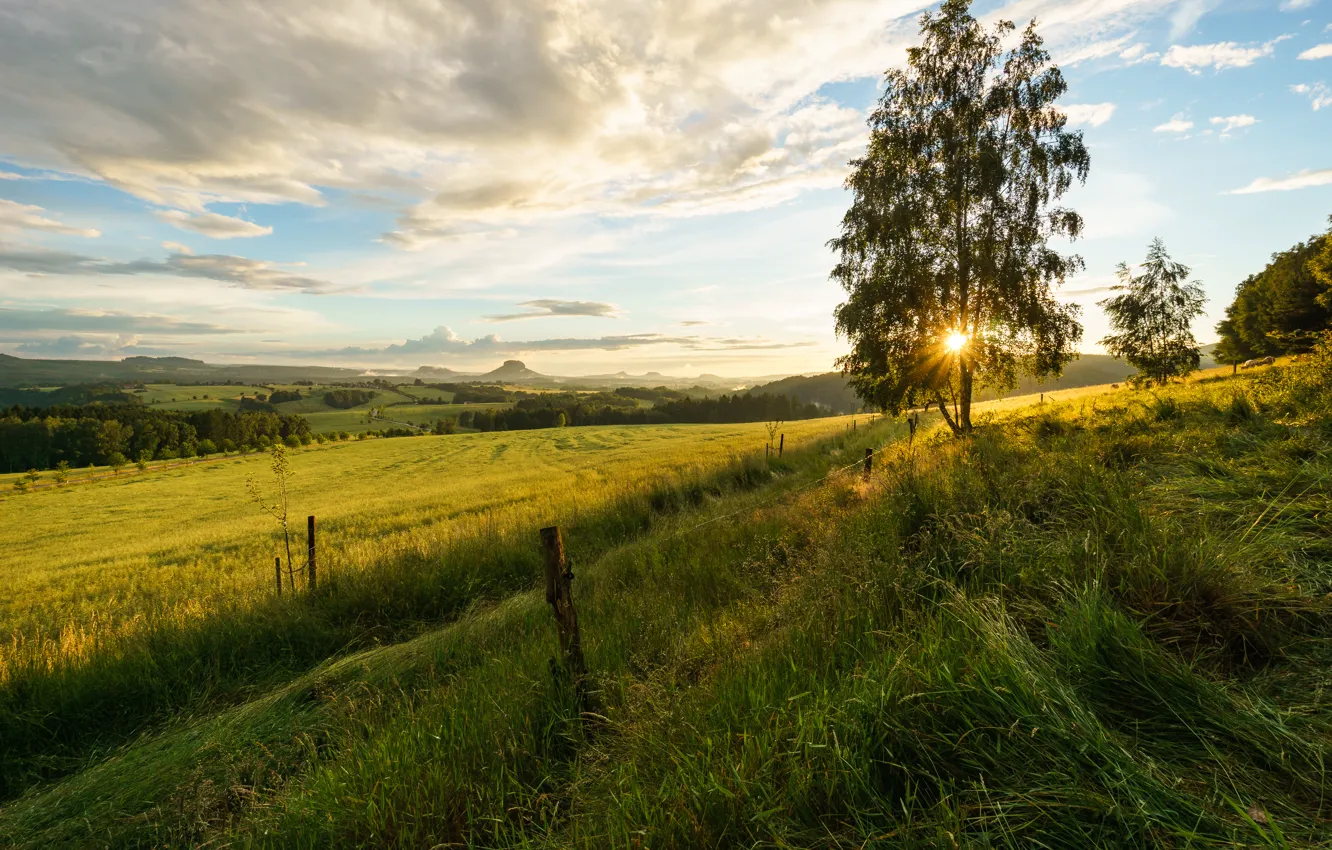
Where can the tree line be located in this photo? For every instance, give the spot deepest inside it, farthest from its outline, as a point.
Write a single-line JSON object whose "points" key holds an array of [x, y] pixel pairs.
{"points": [[568, 409], [100, 434], [1283, 308]]}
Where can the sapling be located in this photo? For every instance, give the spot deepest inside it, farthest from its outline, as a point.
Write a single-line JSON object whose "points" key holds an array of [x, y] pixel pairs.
{"points": [[279, 508]]}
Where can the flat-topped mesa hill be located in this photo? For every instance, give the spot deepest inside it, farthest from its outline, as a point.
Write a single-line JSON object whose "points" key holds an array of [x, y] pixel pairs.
{"points": [[512, 371]]}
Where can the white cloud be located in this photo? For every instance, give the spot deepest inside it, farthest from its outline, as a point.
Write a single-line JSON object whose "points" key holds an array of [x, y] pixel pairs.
{"points": [[1219, 56], [1319, 94], [1137, 54], [1187, 14], [1234, 122], [1089, 114], [16, 216], [1302, 180], [1322, 51], [476, 116], [177, 248], [1296, 5], [214, 225], [1178, 124]]}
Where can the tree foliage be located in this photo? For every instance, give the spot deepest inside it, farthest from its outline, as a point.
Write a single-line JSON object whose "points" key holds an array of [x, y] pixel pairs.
{"points": [[955, 203], [1153, 317], [1283, 308]]}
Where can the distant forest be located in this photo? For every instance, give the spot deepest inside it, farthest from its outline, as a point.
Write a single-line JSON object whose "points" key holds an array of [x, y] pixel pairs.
{"points": [[621, 408], [107, 434]]}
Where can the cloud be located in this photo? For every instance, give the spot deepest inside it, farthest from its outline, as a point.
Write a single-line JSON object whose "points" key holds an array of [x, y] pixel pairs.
{"points": [[1178, 124], [1089, 114], [1319, 94], [1137, 54], [473, 116], [1322, 51], [239, 272], [1302, 180], [1220, 56], [16, 216], [443, 340], [548, 307], [177, 248], [78, 346], [1187, 14], [1233, 122], [1296, 5], [214, 225], [104, 321], [693, 323]]}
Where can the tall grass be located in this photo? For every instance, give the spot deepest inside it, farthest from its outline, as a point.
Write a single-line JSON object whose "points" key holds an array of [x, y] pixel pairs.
{"points": [[1088, 626]]}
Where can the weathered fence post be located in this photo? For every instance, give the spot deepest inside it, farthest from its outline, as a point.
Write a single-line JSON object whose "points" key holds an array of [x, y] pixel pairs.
{"points": [[559, 593], [869, 461], [911, 427], [311, 579], [781, 446], [277, 567]]}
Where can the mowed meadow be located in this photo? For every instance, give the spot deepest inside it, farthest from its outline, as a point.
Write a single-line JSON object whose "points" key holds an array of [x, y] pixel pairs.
{"points": [[91, 560]]}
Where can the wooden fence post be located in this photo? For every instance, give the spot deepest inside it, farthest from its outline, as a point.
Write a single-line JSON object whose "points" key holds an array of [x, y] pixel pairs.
{"points": [[911, 427], [559, 593], [781, 446], [277, 567], [869, 461], [311, 579]]}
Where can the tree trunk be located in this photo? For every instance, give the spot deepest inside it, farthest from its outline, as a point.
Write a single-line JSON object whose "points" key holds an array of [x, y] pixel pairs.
{"points": [[943, 408], [966, 381]]}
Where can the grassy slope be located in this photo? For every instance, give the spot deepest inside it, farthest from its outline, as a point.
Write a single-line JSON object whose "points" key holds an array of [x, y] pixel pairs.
{"points": [[1103, 625]]}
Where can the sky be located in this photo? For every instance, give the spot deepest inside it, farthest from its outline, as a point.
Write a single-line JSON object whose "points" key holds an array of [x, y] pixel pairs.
{"points": [[590, 186]]}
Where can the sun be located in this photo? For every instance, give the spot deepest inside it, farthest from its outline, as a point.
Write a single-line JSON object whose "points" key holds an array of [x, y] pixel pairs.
{"points": [[956, 341]]}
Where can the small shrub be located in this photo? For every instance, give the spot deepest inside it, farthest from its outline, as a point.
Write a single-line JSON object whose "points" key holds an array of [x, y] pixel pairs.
{"points": [[1165, 409], [1241, 411]]}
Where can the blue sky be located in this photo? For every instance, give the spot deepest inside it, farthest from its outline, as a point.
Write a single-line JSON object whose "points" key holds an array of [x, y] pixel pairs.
{"points": [[589, 187]]}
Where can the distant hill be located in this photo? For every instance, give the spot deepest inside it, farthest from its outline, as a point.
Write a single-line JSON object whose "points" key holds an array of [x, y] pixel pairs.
{"points": [[20, 371], [438, 372], [512, 372], [830, 389]]}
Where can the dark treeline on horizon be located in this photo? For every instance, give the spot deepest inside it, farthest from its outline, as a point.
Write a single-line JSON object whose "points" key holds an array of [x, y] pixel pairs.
{"points": [[106, 434], [553, 411]]}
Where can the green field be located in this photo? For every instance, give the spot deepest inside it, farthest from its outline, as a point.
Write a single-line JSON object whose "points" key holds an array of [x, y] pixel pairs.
{"points": [[116, 555], [191, 398], [424, 392], [1101, 621]]}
